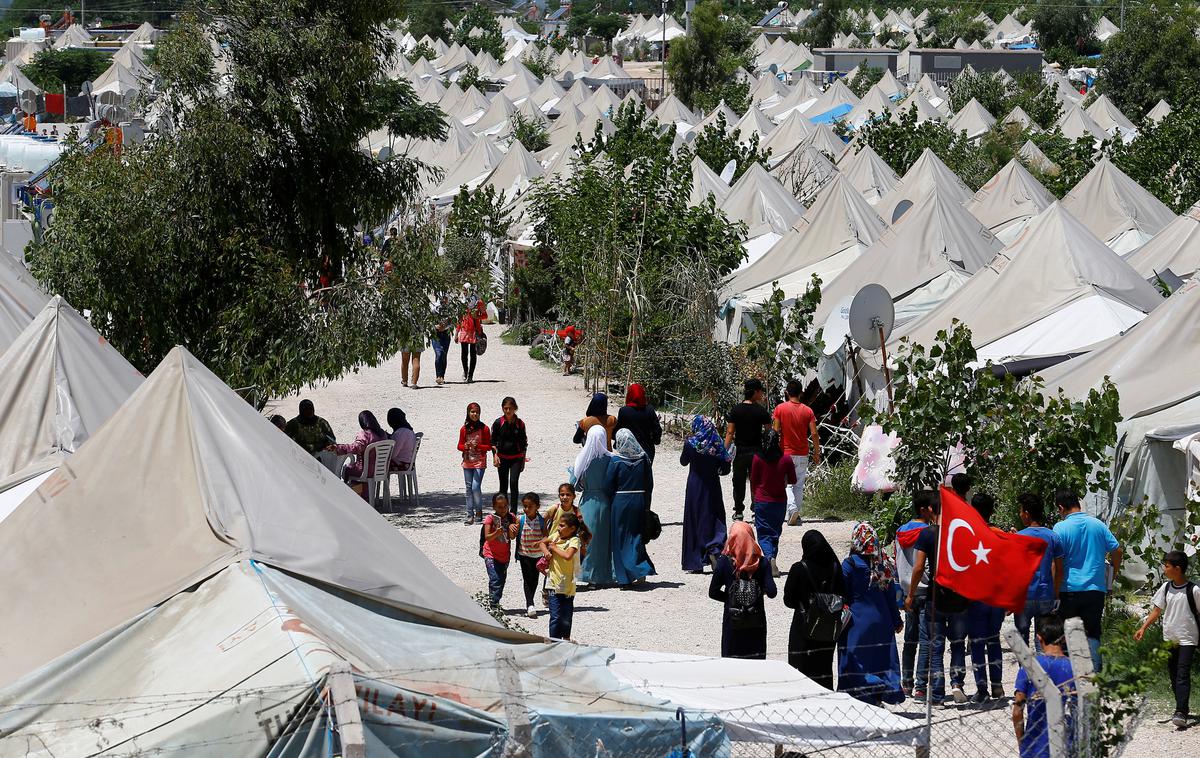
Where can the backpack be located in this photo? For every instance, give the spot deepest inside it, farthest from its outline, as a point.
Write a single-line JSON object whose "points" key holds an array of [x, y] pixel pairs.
{"points": [[823, 614], [504, 523], [1191, 599], [947, 600], [742, 603]]}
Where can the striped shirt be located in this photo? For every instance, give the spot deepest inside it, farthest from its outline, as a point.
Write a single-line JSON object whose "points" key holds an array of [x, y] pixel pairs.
{"points": [[532, 532]]}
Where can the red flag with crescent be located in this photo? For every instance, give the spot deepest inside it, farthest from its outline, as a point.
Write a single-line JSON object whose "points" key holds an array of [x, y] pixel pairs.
{"points": [[982, 563]]}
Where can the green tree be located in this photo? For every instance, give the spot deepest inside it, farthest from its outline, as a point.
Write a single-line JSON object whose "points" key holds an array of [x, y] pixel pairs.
{"points": [[1156, 56], [1016, 438], [1063, 29], [901, 142], [1164, 159], [427, 18], [989, 89], [541, 62], [959, 24], [470, 77], [608, 25], [708, 58], [716, 146], [479, 31], [866, 78], [59, 70], [236, 233], [422, 50], [1072, 159], [636, 134], [781, 343], [823, 25], [531, 133]]}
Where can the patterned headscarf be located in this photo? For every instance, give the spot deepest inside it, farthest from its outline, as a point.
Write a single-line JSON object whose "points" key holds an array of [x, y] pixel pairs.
{"points": [[742, 548], [626, 446], [706, 441], [865, 542]]}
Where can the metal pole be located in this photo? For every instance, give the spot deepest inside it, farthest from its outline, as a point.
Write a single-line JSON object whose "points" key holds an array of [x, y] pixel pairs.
{"points": [[662, 55], [887, 372]]}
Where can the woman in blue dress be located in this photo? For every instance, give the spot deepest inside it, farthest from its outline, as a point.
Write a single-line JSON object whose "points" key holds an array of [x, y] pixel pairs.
{"points": [[628, 487], [703, 508], [587, 476], [868, 666]]}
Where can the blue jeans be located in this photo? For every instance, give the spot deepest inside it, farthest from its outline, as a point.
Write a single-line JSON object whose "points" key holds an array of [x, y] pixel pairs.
{"points": [[497, 576], [908, 657], [562, 613], [983, 625], [441, 351], [768, 522], [1034, 609], [473, 479], [931, 655]]}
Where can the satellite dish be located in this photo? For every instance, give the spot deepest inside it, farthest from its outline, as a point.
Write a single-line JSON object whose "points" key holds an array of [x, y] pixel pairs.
{"points": [[871, 310], [727, 172], [837, 326], [901, 208], [568, 78], [773, 68], [28, 101], [385, 153], [85, 89]]}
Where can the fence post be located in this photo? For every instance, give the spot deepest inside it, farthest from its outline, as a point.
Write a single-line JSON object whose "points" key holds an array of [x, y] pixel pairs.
{"points": [[345, 709], [1085, 688], [1056, 731], [520, 732]]}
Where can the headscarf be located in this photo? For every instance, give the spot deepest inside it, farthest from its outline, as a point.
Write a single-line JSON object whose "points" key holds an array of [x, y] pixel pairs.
{"points": [[635, 396], [595, 445], [598, 408], [397, 419], [741, 546], [626, 446], [706, 441], [865, 542], [368, 422], [819, 558], [771, 450], [473, 425]]}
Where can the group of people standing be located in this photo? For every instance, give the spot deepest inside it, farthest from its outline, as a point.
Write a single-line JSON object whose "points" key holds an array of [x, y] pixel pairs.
{"points": [[461, 321]]}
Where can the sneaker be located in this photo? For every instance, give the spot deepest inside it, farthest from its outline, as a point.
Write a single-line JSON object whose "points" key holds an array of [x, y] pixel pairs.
{"points": [[530, 612], [981, 695], [479, 515], [404, 382], [440, 380], [774, 568], [998, 690], [1179, 720], [917, 695], [794, 519], [738, 516], [960, 697], [470, 521]]}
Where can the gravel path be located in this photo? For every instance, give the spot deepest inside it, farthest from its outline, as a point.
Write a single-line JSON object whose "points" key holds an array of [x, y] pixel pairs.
{"points": [[671, 612]]}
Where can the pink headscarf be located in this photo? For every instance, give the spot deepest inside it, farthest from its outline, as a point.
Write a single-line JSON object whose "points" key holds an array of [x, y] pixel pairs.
{"points": [[743, 548]]}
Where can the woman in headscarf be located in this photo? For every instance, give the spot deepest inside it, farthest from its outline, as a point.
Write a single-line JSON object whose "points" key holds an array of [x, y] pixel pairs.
{"points": [[741, 579], [868, 666], [597, 415], [816, 571], [587, 475], [369, 431], [404, 437], [703, 508], [639, 417], [770, 474], [628, 485]]}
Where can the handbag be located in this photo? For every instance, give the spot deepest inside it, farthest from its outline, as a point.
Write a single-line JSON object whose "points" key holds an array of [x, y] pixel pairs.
{"points": [[543, 565], [651, 526], [480, 342]]}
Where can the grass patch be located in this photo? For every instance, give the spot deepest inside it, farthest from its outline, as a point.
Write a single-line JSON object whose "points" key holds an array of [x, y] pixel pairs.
{"points": [[828, 494]]}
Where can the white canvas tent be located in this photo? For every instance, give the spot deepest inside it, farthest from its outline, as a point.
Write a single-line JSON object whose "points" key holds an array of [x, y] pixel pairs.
{"points": [[1116, 208], [868, 173], [21, 299], [1008, 200], [1175, 249], [1054, 291], [231, 596], [59, 382], [927, 173], [764, 205]]}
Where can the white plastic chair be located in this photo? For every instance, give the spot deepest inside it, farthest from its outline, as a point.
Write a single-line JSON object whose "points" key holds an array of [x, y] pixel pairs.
{"points": [[406, 478], [376, 458]]}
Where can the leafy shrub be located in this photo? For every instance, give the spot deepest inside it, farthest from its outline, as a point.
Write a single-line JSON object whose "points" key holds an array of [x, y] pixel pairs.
{"points": [[829, 493], [485, 602], [537, 353]]}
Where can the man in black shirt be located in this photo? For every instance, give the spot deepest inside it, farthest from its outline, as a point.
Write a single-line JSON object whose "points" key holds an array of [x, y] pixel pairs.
{"points": [[744, 428]]}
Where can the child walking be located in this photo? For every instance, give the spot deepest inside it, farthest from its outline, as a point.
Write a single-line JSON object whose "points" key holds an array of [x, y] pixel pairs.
{"points": [[565, 505], [531, 530], [1029, 707], [510, 446], [474, 441], [563, 551], [1177, 603], [498, 531]]}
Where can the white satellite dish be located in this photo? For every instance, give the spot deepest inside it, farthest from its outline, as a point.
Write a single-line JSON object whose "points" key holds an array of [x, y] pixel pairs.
{"points": [[728, 171], [385, 153], [837, 326], [872, 315]]}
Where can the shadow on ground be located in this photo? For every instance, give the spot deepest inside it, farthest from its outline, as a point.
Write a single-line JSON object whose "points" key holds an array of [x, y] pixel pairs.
{"points": [[434, 508]]}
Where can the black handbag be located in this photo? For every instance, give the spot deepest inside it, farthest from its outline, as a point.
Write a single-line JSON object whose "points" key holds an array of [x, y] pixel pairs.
{"points": [[651, 523]]}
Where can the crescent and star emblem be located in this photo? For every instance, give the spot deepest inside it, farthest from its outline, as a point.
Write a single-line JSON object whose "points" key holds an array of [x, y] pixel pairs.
{"points": [[980, 552]]}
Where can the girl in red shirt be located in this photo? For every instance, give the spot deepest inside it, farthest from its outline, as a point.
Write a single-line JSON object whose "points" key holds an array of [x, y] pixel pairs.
{"points": [[475, 442]]}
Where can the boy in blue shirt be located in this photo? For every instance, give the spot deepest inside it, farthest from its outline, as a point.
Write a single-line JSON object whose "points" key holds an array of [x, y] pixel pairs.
{"points": [[1086, 544], [1043, 588], [1029, 708]]}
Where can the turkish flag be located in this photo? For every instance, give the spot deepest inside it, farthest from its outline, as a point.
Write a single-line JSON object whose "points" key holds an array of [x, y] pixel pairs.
{"points": [[981, 563]]}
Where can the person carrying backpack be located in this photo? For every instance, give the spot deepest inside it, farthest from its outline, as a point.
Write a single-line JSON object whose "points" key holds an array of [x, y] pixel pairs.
{"points": [[495, 546], [741, 579], [1177, 603], [814, 587], [868, 664]]}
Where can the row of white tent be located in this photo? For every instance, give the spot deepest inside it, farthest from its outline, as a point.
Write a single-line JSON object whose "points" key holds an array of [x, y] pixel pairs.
{"points": [[179, 576], [127, 73]]}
